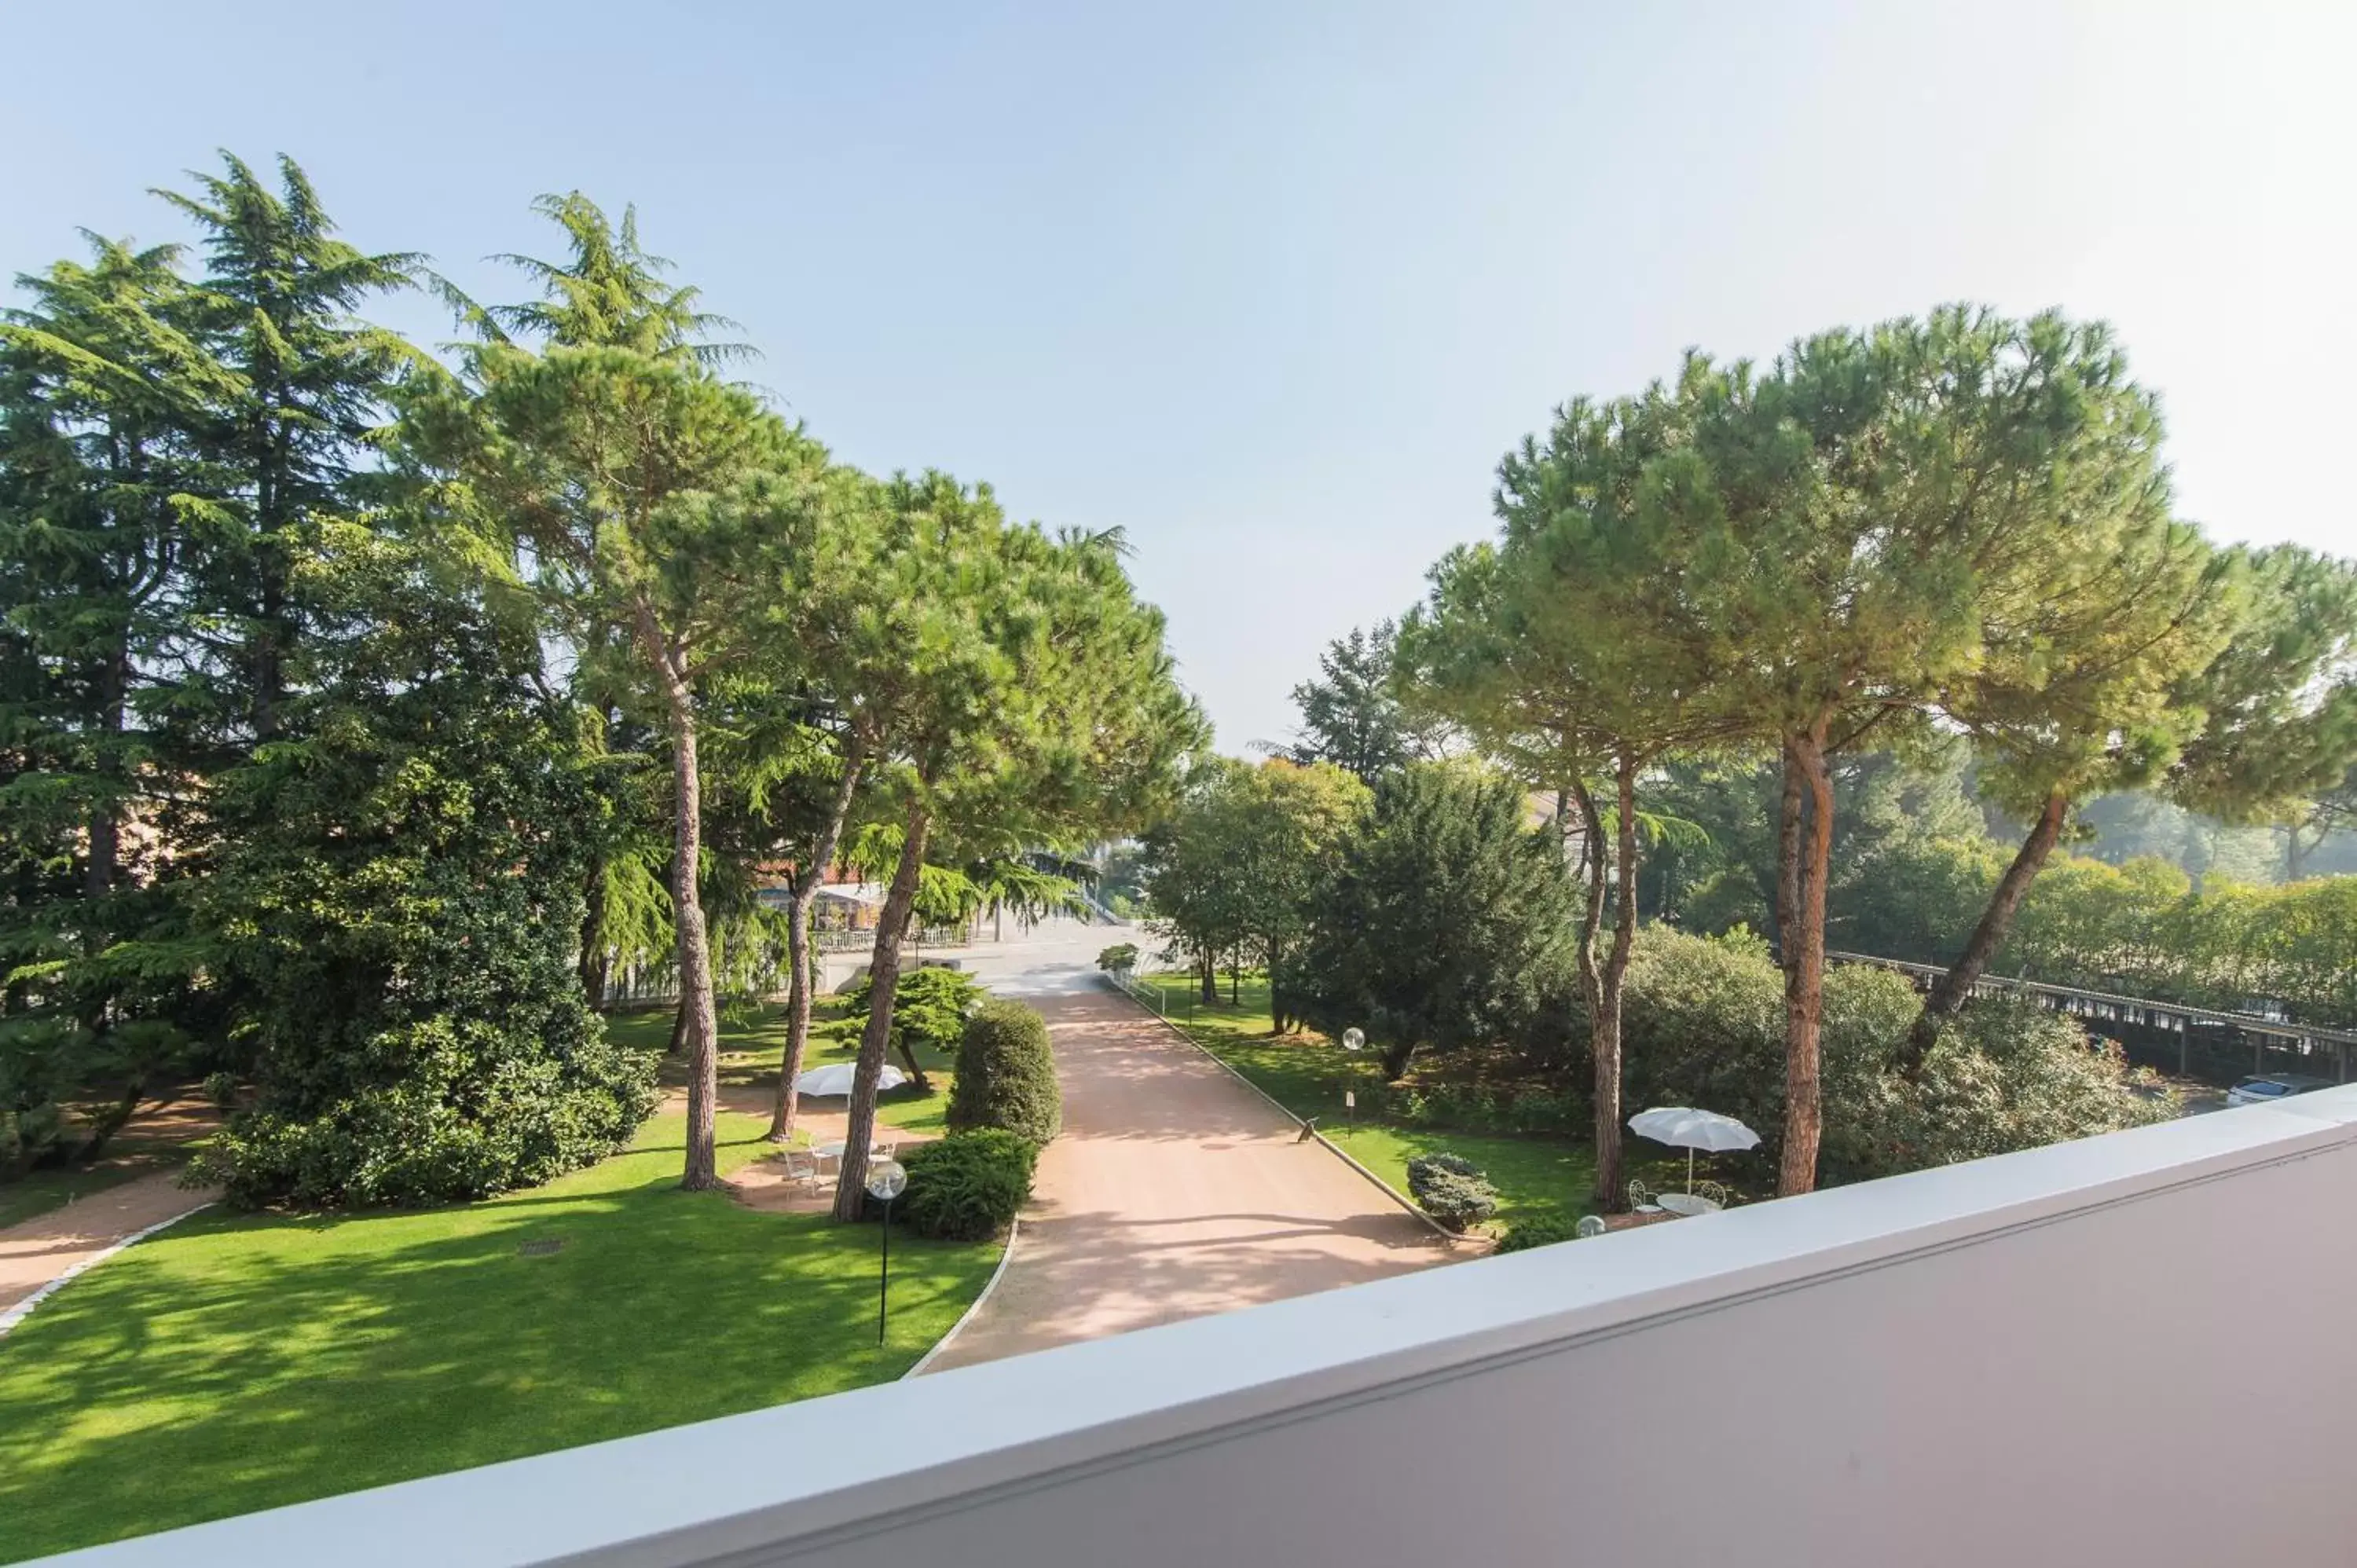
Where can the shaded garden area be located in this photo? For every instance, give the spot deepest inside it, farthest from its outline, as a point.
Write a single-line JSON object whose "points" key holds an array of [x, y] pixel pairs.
{"points": [[240, 1362]]}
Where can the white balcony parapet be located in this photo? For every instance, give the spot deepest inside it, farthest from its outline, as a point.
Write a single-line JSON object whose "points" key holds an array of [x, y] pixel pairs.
{"points": [[2140, 1348]]}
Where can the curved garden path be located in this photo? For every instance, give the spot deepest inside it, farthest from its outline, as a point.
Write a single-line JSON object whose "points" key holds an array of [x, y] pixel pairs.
{"points": [[49, 1247], [1174, 1191]]}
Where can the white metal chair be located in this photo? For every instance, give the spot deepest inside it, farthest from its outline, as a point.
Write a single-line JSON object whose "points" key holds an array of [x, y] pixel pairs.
{"points": [[1715, 1191], [1641, 1198], [802, 1169]]}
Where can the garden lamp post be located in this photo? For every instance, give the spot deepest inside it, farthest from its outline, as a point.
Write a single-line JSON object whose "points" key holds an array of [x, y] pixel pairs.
{"points": [[886, 1179], [1354, 1040]]}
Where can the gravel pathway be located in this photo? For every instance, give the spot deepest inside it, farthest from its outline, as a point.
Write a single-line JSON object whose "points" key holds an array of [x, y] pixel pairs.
{"points": [[1175, 1191]]}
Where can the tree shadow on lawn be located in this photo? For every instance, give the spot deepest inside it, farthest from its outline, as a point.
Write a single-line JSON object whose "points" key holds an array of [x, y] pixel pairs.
{"points": [[240, 1362]]}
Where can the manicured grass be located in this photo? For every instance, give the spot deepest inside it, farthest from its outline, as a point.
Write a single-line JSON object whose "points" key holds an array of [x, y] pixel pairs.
{"points": [[1534, 1175], [753, 1041], [240, 1362]]}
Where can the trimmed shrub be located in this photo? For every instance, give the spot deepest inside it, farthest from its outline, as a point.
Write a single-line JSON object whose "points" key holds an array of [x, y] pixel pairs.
{"points": [[968, 1186], [1121, 956], [1007, 1075], [1538, 1230], [1451, 1189]]}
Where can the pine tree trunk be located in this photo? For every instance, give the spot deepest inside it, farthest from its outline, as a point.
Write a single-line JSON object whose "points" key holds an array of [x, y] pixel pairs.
{"points": [[1804, 843], [2297, 849], [883, 979], [698, 1021], [1210, 978], [1947, 995], [1613, 982], [1603, 1021], [801, 981]]}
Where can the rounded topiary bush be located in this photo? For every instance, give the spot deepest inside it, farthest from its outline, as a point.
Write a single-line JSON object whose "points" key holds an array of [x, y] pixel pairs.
{"points": [[1007, 1075], [1451, 1189], [1539, 1230], [968, 1186]]}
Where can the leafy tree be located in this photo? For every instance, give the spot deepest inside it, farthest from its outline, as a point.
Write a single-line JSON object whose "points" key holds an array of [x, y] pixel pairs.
{"points": [[2331, 811], [169, 441], [1018, 691], [1243, 860], [396, 929], [310, 384], [1446, 924], [1855, 528], [101, 391], [2279, 699], [2088, 647], [600, 464], [1192, 882], [1565, 651], [1350, 716]]}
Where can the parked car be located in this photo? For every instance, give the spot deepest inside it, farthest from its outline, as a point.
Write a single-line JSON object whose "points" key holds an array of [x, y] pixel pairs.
{"points": [[2269, 1086]]}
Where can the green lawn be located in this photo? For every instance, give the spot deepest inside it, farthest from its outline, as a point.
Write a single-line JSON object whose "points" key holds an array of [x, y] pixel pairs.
{"points": [[1535, 1175], [753, 1042], [240, 1362]]}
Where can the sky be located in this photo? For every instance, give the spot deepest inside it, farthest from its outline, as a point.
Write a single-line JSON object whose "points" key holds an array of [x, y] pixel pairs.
{"points": [[1271, 286]]}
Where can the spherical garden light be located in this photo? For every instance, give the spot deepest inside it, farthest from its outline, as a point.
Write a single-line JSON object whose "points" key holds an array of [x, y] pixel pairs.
{"points": [[1354, 1039], [887, 1179]]}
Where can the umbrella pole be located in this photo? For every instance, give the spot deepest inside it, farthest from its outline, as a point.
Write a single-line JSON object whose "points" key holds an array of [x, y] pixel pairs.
{"points": [[1690, 1171]]}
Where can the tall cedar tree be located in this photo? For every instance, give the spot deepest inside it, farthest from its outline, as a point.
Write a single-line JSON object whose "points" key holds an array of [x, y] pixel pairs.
{"points": [[1350, 714], [102, 394]]}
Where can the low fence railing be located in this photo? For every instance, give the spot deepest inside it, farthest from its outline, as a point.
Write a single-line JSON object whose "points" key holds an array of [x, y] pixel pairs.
{"points": [[1144, 996], [2178, 1019]]}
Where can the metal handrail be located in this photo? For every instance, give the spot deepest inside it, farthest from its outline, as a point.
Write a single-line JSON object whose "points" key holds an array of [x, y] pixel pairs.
{"points": [[2160, 1013]]}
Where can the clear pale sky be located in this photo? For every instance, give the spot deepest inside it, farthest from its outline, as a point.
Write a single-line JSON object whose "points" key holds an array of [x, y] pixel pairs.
{"points": [[1271, 286]]}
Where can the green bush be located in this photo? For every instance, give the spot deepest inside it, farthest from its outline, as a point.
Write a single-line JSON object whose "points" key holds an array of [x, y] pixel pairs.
{"points": [[1451, 1188], [1121, 956], [393, 914], [1537, 1231], [1007, 1075], [968, 1186], [1704, 1025], [929, 1005]]}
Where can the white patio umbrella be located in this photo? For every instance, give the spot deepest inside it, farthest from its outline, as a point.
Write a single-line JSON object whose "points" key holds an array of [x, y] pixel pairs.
{"points": [[1682, 1127], [835, 1079]]}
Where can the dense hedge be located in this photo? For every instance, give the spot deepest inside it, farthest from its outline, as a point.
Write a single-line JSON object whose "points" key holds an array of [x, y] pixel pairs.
{"points": [[968, 1186], [1007, 1075], [2142, 929]]}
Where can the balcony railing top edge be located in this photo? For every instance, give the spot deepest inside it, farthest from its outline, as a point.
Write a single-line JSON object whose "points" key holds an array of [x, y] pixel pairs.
{"points": [[721, 1492]]}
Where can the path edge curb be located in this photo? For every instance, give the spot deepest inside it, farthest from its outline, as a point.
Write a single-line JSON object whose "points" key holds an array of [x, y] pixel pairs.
{"points": [[1014, 1229], [1386, 1188], [23, 1309]]}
